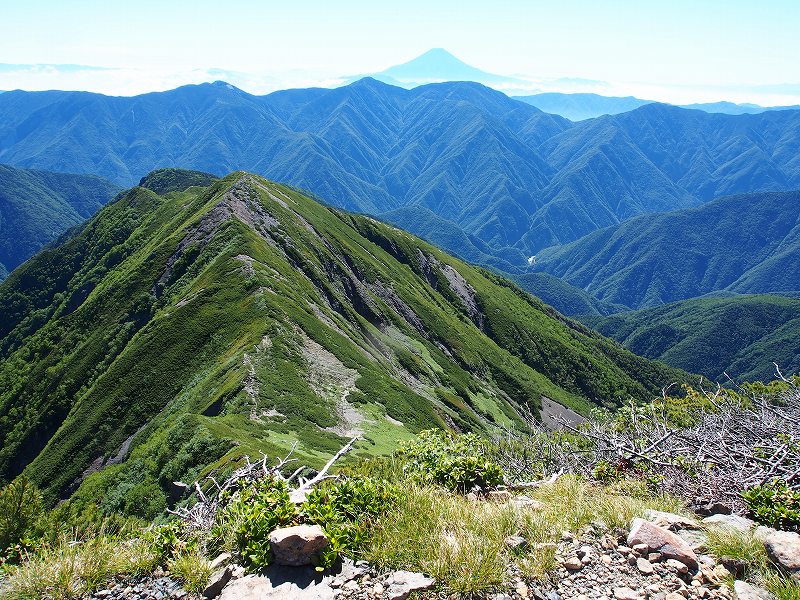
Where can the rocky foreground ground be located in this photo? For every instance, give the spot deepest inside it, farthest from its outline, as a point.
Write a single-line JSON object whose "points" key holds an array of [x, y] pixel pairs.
{"points": [[661, 557]]}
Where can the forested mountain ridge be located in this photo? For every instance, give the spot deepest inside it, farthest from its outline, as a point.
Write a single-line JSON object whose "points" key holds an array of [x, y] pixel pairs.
{"points": [[747, 243], [38, 206], [743, 337], [243, 316]]}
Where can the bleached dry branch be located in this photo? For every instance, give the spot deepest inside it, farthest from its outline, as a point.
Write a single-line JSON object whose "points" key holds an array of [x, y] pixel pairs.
{"points": [[202, 514]]}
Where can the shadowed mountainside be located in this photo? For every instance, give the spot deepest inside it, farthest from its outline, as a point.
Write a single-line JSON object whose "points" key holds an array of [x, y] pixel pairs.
{"points": [[38, 206]]}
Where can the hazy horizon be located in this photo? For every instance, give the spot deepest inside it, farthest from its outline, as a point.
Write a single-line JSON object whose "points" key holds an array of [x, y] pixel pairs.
{"points": [[678, 52]]}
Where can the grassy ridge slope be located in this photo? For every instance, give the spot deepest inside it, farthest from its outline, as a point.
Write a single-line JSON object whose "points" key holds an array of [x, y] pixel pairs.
{"points": [[243, 317]]}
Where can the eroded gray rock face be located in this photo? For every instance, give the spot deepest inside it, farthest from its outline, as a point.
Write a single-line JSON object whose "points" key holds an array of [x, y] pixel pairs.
{"points": [[663, 541], [297, 546], [218, 580], [783, 548]]}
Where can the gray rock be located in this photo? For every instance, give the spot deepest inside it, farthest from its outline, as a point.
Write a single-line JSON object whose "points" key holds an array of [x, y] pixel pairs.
{"points": [[661, 540], [526, 502], [730, 521], [783, 548], [707, 507], [671, 521], [178, 489], [679, 567], [297, 496], [762, 532], [221, 561], [697, 540], [626, 593], [297, 546], [402, 583], [279, 583], [499, 496], [351, 570], [218, 580], [516, 543], [747, 591], [736, 566], [644, 566]]}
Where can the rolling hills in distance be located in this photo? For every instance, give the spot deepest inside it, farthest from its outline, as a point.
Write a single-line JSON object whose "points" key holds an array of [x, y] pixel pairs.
{"points": [[36, 207], [582, 106], [207, 322]]}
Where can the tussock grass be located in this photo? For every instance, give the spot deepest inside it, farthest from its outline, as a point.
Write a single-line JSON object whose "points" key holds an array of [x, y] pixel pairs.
{"points": [[780, 586], [744, 546], [69, 569], [192, 569], [461, 542], [739, 545], [457, 541], [571, 504]]}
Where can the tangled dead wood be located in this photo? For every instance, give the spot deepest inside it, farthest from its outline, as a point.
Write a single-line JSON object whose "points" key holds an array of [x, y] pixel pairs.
{"points": [[202, 514], [730, 446]]}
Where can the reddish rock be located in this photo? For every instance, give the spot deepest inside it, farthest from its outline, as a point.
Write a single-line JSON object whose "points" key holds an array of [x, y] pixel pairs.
{"points": [[661, 540]]}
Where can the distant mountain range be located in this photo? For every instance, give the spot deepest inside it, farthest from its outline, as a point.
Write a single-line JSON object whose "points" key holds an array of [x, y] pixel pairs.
{"points": [[38, 206], [579, 107], [509, 176], [741, 336], [743, 244]]}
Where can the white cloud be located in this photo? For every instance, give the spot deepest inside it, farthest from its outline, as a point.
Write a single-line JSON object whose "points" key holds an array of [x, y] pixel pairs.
{"points": [[132, 81]]}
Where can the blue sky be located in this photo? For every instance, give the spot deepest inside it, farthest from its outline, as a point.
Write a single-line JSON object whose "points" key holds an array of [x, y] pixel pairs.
{"points": [[678, 51]]}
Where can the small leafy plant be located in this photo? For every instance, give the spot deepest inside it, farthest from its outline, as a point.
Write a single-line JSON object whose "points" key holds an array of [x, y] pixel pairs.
{"points": [[347, 510], [170, 540], [257, 510], [457, 463], [775, 505]]}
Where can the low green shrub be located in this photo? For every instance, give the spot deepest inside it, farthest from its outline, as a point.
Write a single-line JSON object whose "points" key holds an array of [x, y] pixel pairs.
{"points": [[775, 505], [347, 510], [169, 540], [456, 462], [255, 512], [22, 518]]}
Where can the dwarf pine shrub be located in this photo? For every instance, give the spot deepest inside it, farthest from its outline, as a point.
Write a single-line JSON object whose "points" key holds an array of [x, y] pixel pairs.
{"points": [[457, 463]]}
